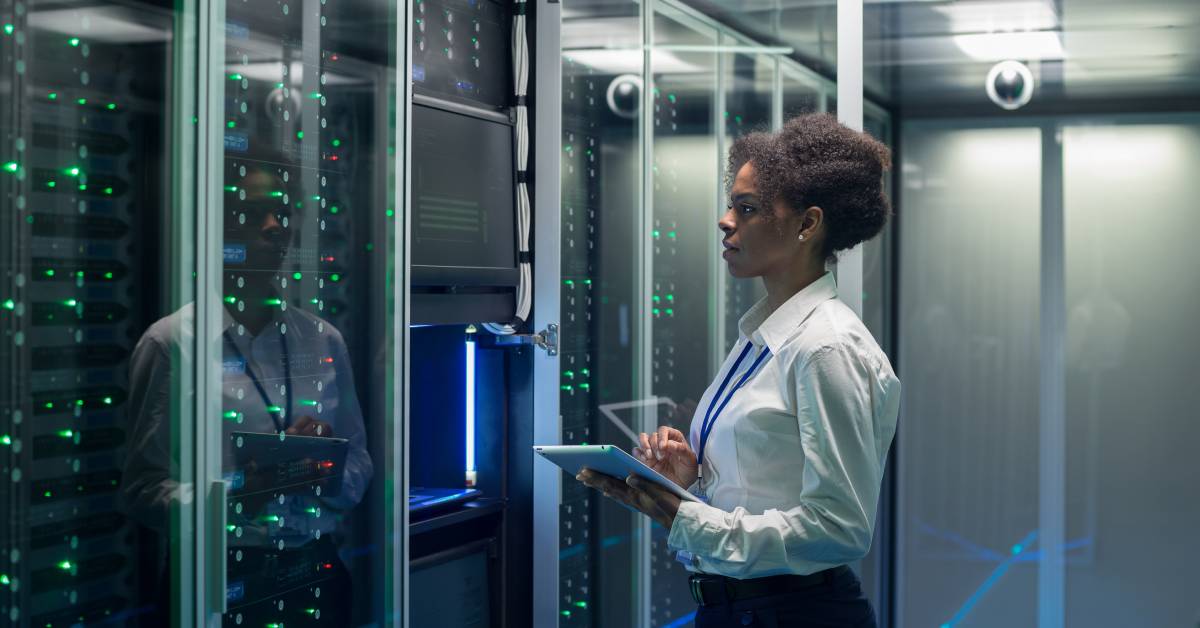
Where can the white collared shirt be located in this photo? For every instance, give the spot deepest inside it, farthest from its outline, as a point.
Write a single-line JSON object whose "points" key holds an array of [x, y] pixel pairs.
{"points": [[793, 464]]}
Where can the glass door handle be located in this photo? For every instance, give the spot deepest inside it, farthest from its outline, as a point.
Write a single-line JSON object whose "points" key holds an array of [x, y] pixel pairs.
{"points": [[217, 573]]}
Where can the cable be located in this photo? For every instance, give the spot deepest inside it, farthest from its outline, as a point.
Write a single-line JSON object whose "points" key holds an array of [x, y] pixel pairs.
{"points": [[520, 48]]}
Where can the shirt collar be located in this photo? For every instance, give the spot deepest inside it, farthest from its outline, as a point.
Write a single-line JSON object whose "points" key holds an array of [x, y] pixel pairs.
{"points": [[775, 329]]}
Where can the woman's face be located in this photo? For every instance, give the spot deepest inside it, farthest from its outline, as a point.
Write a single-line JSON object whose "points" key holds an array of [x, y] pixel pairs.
{"points": [[757, 239]]}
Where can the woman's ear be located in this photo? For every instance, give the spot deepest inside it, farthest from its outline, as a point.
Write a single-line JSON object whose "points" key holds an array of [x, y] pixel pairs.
{"points": [[810, 223]]}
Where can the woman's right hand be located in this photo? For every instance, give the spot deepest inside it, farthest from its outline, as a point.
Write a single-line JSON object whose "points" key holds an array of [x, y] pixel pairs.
{"points": [[667, 452]]}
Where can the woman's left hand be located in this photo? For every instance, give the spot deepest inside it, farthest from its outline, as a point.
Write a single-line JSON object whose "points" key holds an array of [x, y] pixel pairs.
{"points": [[651, 499]]}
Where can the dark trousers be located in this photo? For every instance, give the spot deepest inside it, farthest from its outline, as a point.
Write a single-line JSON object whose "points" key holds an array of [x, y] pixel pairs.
{"points": [[837, 603]]}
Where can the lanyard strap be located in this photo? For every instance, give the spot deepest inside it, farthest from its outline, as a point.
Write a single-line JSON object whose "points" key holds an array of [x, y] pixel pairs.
{"points": [[275, 414], [710, 417]]}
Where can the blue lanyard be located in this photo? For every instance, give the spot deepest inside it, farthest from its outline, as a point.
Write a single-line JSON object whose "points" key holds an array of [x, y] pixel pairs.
{"points": [[710, 417], [275, 415]]}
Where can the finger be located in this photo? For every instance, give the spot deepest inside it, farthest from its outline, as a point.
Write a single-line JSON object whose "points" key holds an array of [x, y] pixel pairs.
{"points": [[664, 438], [647, 450]]}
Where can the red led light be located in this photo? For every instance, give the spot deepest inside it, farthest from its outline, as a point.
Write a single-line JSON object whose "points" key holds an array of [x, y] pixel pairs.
{"points": [[333, 58], [325, 464], [327, 360], [328, 565], [328, 258], [333, 158]]}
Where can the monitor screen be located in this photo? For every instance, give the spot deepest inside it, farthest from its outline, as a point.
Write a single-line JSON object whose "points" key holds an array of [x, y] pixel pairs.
{"points": [[453, 593], [463, 207]]}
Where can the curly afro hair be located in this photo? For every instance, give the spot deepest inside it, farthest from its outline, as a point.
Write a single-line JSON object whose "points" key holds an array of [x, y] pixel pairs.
{"points": [[814, 160]]}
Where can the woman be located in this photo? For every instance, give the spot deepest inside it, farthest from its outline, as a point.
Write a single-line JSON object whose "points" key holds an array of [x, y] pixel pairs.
{"points": [[787, 447]]}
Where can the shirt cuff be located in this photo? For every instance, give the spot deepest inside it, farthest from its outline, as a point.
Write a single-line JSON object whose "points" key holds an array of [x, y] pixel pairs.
{"points": [[688, 529]]}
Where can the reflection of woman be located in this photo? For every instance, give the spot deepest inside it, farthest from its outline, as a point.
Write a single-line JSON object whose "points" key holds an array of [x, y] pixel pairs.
{"points": [[787, 447], [283, 370]]}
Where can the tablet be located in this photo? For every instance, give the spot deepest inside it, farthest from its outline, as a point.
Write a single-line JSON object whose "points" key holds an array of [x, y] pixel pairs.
{"points": [[607, 459]]}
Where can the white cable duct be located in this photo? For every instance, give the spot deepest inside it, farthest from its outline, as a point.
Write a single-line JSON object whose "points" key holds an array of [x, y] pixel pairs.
{"points": [[524, 299]]}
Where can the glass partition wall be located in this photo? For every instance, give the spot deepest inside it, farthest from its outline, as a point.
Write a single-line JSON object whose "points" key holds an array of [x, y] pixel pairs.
{"points": [[653, 96]]}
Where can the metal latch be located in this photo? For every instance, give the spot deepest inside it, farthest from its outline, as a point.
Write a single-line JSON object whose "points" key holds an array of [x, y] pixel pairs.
{"points": [[548, 339]]}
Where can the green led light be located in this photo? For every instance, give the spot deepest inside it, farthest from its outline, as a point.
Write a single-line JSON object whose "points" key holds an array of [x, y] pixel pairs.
{"points": [[66, 433], [334, 209], [567, 387], [51, 184], [82, 101], [656, 298], [9, 304], [670, 312], [52, 95], [49, 272], [108, 275], [335, 277], [336, 142], [570, 374], [230, 527], [108, 401], [231, 124], [111, 106], [276, 193], [11, 166], [79, 273], [273, 301], [299, 135], [70, 303], [296, 276], [231, 414], [390, 212], [272, 518], [654, 233], [585, 386], [671, 298], [671, 97], [6, 440], [8, 30], [29, 219], [4, 579], [308, 402], [656, 311], [66, 564], [568, 282], [566, 613], [235, 77], [671, 234], [369, 246], [587, 282], [49, 405], [314, 301], [74, 41], [312, 510], [274, 409], [231, 188], [273, 625], [72, 171], [585, 372], [315, 95], [79, 402], [311, 611], [279, 86], [82, 187], [581, 604], [108, 191]]}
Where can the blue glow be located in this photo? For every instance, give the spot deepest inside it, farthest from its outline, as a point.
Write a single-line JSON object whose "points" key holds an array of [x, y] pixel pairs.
{"points": [[470, 406], [992, 579], [682, 621]]}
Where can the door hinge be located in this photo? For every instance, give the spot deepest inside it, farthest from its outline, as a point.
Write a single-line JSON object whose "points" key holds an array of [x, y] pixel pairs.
{"points": [[548, 339]]}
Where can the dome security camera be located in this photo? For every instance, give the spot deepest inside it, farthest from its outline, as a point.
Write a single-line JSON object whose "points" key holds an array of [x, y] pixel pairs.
{"points": [[1010, 85], [624, 95]]}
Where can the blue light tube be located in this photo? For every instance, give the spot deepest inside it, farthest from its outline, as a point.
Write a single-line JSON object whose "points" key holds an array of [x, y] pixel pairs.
{"points": [[470, 397]]}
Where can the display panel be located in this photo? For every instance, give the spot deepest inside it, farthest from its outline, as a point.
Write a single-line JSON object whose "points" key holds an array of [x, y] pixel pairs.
{"points": [[463, 218], [86, 187], [303, 329]]}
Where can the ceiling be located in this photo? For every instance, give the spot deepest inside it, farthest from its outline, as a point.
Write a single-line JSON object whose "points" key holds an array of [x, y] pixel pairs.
{"points": [[934, 55]]}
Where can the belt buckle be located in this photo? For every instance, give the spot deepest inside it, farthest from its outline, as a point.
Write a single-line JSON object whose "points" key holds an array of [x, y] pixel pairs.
{"points": [[697, 590]]}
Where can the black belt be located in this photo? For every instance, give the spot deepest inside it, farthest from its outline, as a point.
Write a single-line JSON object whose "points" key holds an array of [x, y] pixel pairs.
{"points": [[708, 589]]}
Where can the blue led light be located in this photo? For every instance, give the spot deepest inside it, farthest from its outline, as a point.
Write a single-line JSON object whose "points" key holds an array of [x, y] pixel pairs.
{"points": [[470, 397]]}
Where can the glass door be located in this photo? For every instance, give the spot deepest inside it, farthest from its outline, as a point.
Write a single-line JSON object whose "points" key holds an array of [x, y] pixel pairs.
{"points": [[299, 316]]}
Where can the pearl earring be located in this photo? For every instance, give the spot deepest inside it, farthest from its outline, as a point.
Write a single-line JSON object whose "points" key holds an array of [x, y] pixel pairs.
{"points": [[801, 238]]}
